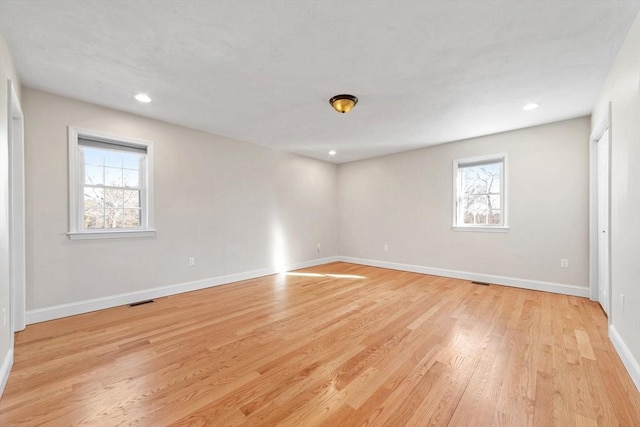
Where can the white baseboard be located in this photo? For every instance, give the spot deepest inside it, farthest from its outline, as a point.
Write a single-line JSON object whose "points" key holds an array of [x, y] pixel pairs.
{"points": [[5, 369], [629, 362], [71, 309], [80, 307], [557, 288]]}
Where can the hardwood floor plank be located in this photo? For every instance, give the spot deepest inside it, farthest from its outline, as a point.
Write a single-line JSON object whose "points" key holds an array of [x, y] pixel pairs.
{"points": [[334, 345]]}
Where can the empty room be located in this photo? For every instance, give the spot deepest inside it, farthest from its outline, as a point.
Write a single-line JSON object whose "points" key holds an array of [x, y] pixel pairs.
{"points": [[305, 213]]}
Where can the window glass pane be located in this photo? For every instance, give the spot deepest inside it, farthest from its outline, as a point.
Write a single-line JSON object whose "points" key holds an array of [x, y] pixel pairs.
{"points": [[94, 218], [468, 218], [93, 197], [131, 160], [113, 158], [494, 202], [130, 177], [93, 208], [113, 218], [477, 204], [93, 175], [479, 186], [494, 218], [131, 199], [113, 177], [92, 156], [495, 186], [481, 178], [113, 198], [481, 200], [131, 218]]}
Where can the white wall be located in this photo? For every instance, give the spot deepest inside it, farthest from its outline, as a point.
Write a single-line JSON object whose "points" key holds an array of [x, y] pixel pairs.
{"points": [[405, 201], [236, 207], [622, 89], [7, 72]]}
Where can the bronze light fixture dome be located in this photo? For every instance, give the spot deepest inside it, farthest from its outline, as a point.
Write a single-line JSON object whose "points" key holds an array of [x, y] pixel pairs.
{"points": [[343, 103]]}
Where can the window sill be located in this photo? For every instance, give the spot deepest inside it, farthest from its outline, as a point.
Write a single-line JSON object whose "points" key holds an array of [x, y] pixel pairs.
{"points": [[110, 234], [489, 229]]}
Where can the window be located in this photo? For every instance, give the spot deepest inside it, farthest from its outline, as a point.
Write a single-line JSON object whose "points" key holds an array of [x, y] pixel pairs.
{"points": [[110, 186], [480, 193]]}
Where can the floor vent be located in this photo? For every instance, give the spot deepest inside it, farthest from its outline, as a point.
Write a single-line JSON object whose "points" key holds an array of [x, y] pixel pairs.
{"points": [[480, 283], [134, 304]]}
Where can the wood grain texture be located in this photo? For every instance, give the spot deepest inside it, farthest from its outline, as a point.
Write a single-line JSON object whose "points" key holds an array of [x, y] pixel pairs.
{"points": [[334, 345]]}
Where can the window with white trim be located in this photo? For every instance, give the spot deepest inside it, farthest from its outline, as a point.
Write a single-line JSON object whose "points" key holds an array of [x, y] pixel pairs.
{"points": [[480, 193], [110, 185]]}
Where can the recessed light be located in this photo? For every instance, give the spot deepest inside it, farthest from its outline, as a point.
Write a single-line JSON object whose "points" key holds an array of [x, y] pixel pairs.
{"points": [[530, 106], [332, 153], [143, 97]]}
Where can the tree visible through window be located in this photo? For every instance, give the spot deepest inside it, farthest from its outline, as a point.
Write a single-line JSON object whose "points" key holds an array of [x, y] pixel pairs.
{"points": [[110, 185], [480, 192]]}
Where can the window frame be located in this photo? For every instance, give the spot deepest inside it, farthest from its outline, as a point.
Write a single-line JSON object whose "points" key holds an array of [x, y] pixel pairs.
{"points": [[476, 161], [76, 187]]}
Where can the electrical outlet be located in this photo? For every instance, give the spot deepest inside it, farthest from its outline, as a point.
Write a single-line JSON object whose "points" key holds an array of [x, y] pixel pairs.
{"points": [[564, 263], [319, 247], [192, 261], [386, 247]]}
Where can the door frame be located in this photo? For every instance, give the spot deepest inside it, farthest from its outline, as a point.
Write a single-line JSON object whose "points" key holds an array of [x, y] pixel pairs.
{"points": [[604, 126], [17, 238]]}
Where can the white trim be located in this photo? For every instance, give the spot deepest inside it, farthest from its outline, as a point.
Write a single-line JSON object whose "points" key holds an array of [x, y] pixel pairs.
{"points": [[593, 219], [75, 209], [71, 309], [5, 370], [17, 233], [629, 362], [80, 307], [604, 125], [470, 161], [485, 228], [111, 234], [535, 285], [109, 138]]}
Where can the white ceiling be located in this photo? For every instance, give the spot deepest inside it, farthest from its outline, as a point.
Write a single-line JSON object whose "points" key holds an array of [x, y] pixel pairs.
{"points": [[426, 72]]}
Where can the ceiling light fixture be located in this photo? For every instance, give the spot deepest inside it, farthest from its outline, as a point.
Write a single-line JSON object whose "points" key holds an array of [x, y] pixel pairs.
{"points": [[332, 153], [143, 97], [530, 106], [343, 103]]}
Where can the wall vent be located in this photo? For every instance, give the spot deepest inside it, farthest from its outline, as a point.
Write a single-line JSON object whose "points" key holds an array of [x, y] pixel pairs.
{"points": [[134, 304]]}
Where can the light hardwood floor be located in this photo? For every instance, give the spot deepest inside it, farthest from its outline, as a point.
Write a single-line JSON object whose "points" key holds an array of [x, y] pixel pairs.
{"points": [[335, 345]]}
